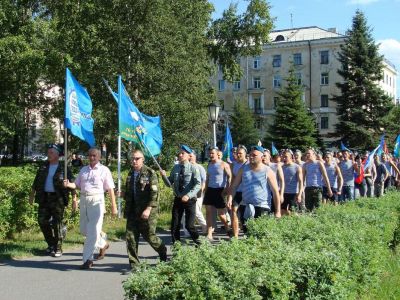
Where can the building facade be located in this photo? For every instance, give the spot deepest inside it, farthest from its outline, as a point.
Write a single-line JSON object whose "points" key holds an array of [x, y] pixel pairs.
{"points": [[314, 54]]}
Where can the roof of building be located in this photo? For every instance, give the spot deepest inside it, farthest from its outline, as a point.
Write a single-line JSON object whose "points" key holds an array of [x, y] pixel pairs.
{"points": [[303, 34]]}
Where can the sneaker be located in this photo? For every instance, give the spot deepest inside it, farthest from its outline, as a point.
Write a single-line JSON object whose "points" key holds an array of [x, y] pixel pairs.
{"points": [[87, 265], [57, 253]]}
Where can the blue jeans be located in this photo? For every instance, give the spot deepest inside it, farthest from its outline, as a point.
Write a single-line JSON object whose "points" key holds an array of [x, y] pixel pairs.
{"points": [[347, 193]]}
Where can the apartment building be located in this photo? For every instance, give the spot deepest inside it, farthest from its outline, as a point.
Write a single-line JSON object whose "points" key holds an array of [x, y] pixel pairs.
{"points": [[314, 53]]}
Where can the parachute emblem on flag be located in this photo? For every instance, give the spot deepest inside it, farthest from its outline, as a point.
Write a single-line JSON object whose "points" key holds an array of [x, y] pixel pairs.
{"points": [[140, 129], [73, 105], [134, 115]]}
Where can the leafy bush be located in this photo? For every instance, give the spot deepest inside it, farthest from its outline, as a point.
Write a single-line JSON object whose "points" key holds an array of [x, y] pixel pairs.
{"points": [[16, 214], [333, 254]]}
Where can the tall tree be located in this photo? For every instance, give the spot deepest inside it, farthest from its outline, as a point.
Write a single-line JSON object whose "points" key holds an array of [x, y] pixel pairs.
{"points": [[362, 104], [21, 71], [158, 48], [293, 126], [234, 36], [242, 125]]}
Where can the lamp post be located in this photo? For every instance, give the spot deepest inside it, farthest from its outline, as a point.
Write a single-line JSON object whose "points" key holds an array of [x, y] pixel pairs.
{"points": [[213, 111]]}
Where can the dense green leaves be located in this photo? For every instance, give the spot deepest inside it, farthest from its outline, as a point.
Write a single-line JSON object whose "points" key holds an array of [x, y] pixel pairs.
{"points": [[234, 36], [333, 254], [362, 105]]}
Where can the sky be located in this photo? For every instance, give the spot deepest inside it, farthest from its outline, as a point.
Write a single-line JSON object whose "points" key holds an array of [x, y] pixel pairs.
{"points": [[383, 17]]}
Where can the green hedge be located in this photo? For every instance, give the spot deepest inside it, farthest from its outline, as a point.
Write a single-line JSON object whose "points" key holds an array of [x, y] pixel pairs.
{"points": [[333, 254], [16, 215]]}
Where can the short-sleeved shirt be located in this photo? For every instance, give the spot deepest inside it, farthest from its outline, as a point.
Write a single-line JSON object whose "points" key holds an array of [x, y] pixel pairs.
{"points": [[95, 180]]}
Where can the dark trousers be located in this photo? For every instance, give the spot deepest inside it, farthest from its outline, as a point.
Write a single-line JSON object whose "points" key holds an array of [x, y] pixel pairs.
{"points": [[147, 228], [50, 219], [189, 208], [313, 197]]}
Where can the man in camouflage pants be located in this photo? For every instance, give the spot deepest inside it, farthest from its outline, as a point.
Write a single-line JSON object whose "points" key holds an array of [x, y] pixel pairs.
{"points": [[141, 201], [49, 192]]}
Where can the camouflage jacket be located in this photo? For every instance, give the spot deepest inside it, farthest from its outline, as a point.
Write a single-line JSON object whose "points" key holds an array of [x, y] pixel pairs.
{"points": [[40, 181], [146, 194]]}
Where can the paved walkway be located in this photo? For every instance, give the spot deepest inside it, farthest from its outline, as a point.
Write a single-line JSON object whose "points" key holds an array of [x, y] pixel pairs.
{"points": [[49, 278], [45, 277]]}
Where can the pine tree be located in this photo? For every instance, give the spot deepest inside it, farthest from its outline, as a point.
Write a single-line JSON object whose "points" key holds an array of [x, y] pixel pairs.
{"points": [[242, 126], [362, 104], [293, 126]]}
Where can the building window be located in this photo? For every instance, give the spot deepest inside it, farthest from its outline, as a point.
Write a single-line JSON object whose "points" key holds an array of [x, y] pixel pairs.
{"points": [[276, 101], [324, 101], [297, 59], [236, 85], [277, 81], [256, 63], [324, 57], [298, 78], [324, 78], [276, 61], [257, 105], [221, 85], [324, 122], [256, 82]]}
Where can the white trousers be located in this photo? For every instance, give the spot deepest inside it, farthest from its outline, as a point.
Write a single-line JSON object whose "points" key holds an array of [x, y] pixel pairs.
{"points": [[199, 216], [92, 210]]}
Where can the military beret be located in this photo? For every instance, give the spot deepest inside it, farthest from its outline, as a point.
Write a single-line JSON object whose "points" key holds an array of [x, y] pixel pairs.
{"points": [[258, 148], [187, 149], [57, 147]]}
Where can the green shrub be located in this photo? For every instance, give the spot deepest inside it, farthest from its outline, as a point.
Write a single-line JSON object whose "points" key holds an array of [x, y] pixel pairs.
{"points": [[335, 253]]}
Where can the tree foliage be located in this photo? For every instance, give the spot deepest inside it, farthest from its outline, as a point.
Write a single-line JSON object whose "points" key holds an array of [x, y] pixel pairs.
{"points": [[293, 126], [234, 36], [243, 125], [362, 104], [162, 48], [21, 69]]}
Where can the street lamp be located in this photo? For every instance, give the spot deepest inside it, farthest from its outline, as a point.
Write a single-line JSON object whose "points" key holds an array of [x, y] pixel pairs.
{"points": [[213, 111]]}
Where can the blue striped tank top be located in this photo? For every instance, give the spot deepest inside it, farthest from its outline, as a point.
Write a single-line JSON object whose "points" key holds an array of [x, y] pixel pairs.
{"points": [[347, 169], [235, 169], [331, 172], [255, 188], [313, 174], [216, 175], [291, 178]]}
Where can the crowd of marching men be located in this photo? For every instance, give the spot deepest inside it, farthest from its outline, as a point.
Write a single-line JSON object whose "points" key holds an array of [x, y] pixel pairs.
{"points": [[256, 183]]}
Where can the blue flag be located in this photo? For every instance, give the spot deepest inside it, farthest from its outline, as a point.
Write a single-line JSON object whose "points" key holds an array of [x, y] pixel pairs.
{"points": [[370, 159], [228, 145], [381, 145], [78, 110], [343, 147], [136, 126], [396, 151], [274, 151]]}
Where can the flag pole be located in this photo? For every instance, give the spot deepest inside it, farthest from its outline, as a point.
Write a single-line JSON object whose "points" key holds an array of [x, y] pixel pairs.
{"points": [[154, 159], [119, 146], [65, 131]]}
